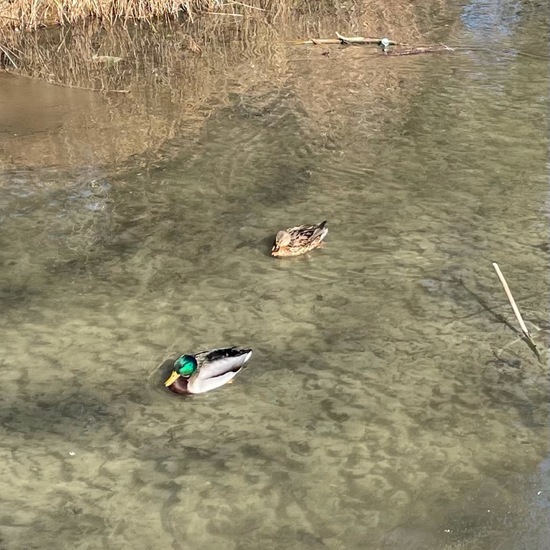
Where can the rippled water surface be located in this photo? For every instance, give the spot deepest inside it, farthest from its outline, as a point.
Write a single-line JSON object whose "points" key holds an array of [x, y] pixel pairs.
{"points": [[388, 404]]}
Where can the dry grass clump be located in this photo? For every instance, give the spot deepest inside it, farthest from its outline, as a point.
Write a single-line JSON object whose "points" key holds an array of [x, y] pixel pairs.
{"points": [[31, 14]]}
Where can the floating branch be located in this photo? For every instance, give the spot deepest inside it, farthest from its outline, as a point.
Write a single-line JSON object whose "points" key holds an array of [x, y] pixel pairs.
{"points": [[344, 40], [385, 43], [527, 336]]}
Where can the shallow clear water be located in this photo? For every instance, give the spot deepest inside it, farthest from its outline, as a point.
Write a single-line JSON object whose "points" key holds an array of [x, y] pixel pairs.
{"points": [[387, 404]]}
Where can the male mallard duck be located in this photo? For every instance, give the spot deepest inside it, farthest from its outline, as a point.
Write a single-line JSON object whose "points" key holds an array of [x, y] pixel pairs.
{"points": [[298, 240], [206, 370]]}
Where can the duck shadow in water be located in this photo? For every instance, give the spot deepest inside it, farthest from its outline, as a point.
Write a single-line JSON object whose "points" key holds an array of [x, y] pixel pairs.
{"points": [[264, 245]]}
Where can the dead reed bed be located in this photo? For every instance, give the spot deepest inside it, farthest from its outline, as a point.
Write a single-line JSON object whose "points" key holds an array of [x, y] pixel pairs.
{"points": [[32, 14]]}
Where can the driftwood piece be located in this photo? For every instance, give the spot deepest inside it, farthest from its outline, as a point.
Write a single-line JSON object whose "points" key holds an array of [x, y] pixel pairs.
{"points": [[384, 42], [340, 39]]}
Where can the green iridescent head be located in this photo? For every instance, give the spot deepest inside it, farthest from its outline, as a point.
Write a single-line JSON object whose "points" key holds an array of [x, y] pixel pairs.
{"points": [[185, 365]]}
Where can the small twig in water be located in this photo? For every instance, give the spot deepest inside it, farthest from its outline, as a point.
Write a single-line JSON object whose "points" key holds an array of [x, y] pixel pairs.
{"points": [[527, 335], [340, 39]]}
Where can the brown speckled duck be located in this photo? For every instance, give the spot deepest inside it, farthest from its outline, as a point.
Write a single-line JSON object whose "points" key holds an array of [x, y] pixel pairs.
{"points": [[299, 240]]}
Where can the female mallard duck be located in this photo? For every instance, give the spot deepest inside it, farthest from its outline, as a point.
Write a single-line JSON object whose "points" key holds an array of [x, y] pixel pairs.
{"points": [[206, 370], [299, 240]]}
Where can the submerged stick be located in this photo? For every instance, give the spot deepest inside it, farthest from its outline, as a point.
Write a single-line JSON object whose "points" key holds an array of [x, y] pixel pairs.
{"points": [[515, 308], [424, 49]]}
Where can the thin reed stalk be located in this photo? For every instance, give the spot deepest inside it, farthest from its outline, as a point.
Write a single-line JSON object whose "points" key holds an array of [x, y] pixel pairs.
{"points": [[527, 335]]}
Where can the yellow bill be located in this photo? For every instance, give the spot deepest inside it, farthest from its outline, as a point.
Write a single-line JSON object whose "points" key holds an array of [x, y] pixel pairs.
{"points": [[172, 378]]}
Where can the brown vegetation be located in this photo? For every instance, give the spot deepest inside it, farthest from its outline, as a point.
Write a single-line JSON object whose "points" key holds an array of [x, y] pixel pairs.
{"points": [[31, 14]]}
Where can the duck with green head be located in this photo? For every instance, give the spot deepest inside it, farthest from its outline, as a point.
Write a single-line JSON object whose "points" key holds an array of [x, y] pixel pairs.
{"points": [[206, 370]]}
